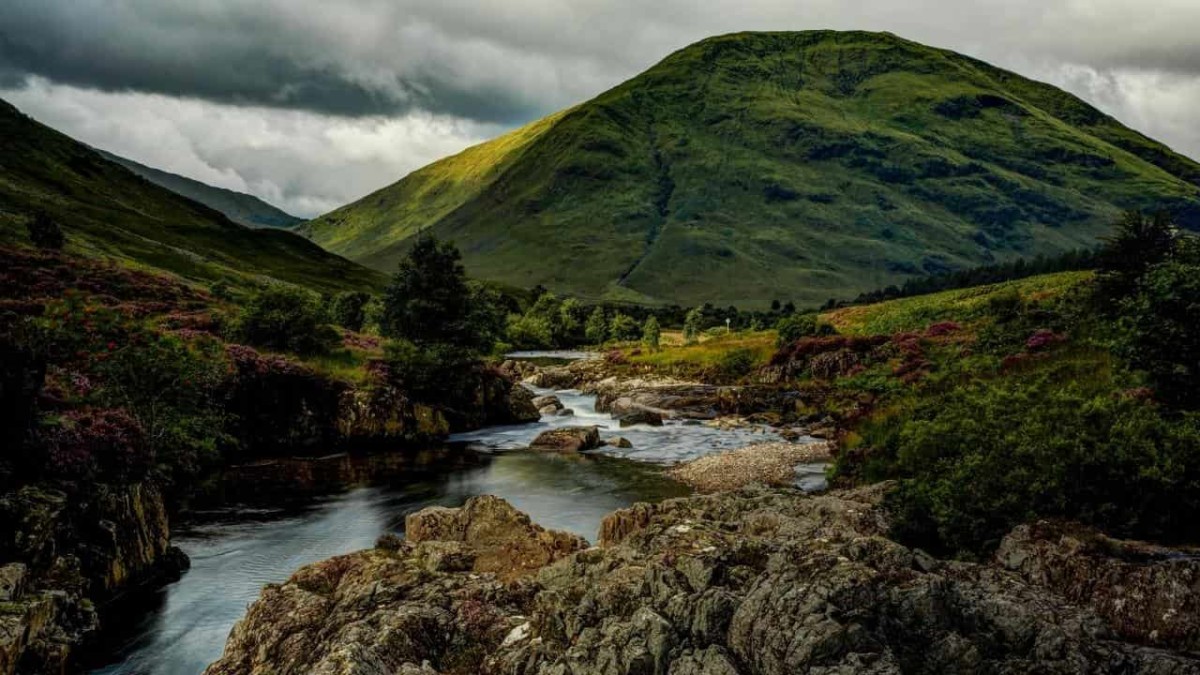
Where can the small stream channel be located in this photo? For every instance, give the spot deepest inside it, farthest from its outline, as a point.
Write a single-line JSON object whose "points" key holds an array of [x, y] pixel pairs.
{"points": [[265, 521]]}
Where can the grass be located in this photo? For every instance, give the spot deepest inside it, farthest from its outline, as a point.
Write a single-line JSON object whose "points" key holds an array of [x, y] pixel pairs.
{"points": [[960, 305], [708, 354], [790, 166]]}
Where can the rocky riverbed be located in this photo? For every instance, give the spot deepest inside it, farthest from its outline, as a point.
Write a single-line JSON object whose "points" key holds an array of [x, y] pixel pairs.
{"points": [[754, 581]]}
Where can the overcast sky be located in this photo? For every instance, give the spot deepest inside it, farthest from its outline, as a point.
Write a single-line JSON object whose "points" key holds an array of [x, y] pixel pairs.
{"points": [[310, 104]]}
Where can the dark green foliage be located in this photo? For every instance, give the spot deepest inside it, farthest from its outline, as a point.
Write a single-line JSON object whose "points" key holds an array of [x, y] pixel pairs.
{"points": [[596, 329], [349, 309], [799, 326], [547, 323], [45, 233], [1161, 333], [429, 302], [981, 459], [623, 328], [440, 374], [286, 319]]}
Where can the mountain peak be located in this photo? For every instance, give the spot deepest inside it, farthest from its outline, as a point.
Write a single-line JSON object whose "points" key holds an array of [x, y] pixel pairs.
{"points": [[791, 165]]}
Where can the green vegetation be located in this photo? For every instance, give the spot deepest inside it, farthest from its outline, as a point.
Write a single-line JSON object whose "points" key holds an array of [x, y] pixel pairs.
{"points": [[107, 212], [651, 333], [239, 207], [286, 319], [820, 163], [797, 326]]}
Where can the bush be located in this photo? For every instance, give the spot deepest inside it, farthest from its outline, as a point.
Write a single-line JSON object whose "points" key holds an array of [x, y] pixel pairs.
{"points": [[979, 460], [736, 363], [286, 319], [349, 310], [45, 233], [433, 374], [528, 331], [104, 445], [429, 301], [798, 326]]}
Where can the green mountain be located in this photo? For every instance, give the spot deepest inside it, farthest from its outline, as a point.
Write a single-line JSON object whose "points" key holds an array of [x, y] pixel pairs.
{"points": [[795, 166], [239, 207], [107, 210]]}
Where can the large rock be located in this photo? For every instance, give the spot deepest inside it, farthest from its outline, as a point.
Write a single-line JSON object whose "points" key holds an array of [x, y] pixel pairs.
{"points": [[636, 417], [752, 582], [766, 463], [567, 439]]}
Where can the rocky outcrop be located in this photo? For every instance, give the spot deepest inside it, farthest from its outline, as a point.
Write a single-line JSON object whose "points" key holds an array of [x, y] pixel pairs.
{"points": [[647, 417], [567, 439], [69, 552], [452, 591], [753, 582]]}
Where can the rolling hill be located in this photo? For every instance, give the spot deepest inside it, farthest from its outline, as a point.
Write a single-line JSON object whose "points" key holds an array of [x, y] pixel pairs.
{"points": [[798, 166], [107, 210], [239, 207]]}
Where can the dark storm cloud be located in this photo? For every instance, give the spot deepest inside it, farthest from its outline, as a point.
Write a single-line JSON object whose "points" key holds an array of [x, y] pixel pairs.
{"points": [[312, 103]]}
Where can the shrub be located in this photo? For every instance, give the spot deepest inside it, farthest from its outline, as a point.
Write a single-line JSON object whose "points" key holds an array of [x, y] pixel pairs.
{"points": [[44, 232], [429, 301], [736, 363], [349, 310], [978, 460], [286, 319], [435, 374], [107, 445], [529, 331], [798, 326]]}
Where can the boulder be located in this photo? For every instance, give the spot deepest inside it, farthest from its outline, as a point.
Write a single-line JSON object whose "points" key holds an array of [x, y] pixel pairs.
{"points": [[548, 401], [765, 463], [640, 417], [565, 412], [567, 439], [618, 442], [752, 582]]}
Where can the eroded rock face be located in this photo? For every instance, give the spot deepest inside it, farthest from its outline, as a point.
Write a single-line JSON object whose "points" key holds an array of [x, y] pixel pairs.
{"points": [[762, 582]]}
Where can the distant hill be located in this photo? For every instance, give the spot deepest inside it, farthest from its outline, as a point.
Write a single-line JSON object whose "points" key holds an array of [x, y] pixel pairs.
{"points": [[239, 207], [797, 166], [105, 209]]}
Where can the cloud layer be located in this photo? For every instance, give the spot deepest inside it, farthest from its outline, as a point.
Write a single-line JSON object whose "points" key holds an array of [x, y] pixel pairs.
{"points": [[310, 103]]}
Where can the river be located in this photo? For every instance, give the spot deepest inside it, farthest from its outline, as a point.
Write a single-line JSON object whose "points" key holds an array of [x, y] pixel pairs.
{"points": [[264, 521]]}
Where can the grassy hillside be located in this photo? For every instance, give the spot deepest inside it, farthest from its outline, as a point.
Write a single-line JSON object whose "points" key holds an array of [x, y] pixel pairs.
{"points": [[239, 207], [797, 166], [107, 210]]}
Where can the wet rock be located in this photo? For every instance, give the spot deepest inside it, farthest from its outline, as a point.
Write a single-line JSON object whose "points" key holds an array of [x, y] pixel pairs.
{"points": [[640, 417], [548, 411], [518, 406], [567, 439], [618, 442], [559, 377], [550, 402], [750, 582], [565, 412]]}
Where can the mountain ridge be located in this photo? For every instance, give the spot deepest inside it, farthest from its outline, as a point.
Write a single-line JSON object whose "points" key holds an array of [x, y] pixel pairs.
{"points": [[240, 207], [754, 166], [106, 210]]}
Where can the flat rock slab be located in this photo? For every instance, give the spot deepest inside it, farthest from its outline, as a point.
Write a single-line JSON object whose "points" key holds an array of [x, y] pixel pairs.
{"points": [[766, 463]]}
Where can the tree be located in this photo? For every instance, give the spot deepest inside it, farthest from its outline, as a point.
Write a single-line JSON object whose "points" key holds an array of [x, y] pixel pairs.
{"points": [[1160, 335], [571, 321], [691, 325], [283, 318], [45, 233], [429, 301], [1138, 243], [651, 334], [797, 326], [349, 309], [623, 328], [596, 329]]}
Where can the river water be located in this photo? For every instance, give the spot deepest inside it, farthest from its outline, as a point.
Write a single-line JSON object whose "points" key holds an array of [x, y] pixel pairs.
{"points": [[262, 522]]}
